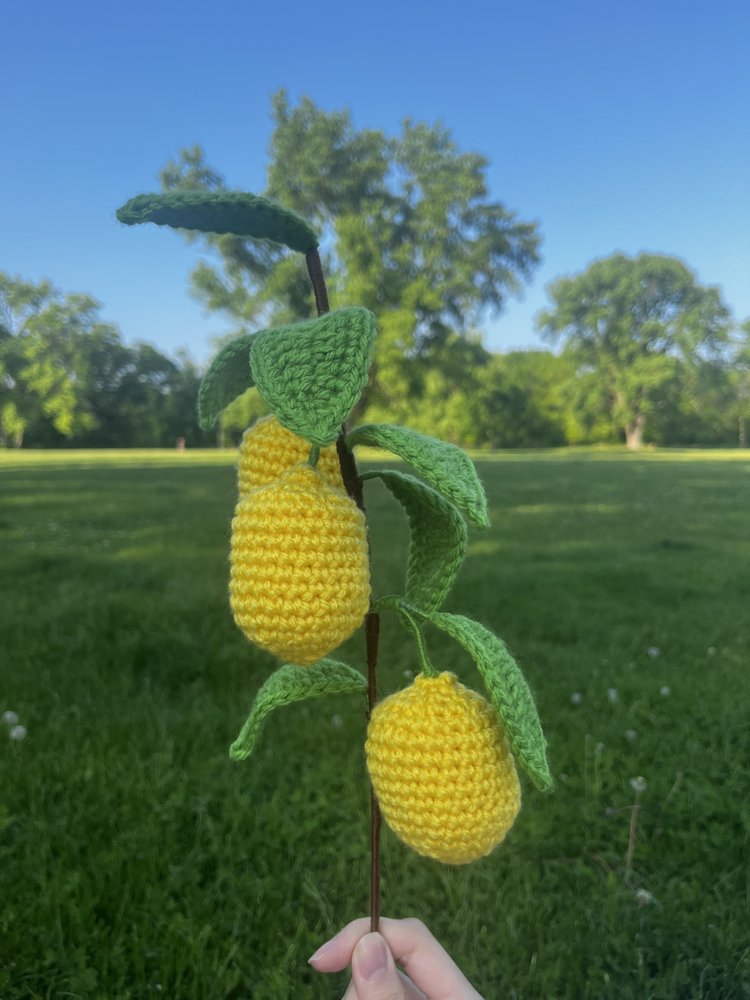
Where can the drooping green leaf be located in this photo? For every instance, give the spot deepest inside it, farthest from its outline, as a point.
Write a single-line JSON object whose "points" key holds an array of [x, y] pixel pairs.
{"points": [[235, 212], [505, 684], [311, 374], [438, 538], [445, 467], [289, 684], [227, 378]]}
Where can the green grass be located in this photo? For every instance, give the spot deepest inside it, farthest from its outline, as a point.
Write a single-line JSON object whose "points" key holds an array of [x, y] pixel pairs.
{"points": [[137, 861]]}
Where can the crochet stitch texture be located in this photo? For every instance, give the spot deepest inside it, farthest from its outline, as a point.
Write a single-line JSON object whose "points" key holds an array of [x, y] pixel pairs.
{"points": [[267, 450], [446, 782], [300, 578]]}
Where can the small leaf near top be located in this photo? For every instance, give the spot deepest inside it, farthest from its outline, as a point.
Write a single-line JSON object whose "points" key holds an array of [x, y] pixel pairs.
{"points": [[227, 378], [235, 212], [438, 538], [311, 374], [505, 684], [445, 467], [289, 684]]}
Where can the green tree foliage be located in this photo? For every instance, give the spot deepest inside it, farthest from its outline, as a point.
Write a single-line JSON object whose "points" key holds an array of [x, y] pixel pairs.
{"points": [[740, 381], [410, 232], [633, 326], [67, 377]]}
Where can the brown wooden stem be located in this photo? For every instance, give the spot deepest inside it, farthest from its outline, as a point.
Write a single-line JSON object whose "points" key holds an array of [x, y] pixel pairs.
{"points": [[315, 270], [353, 485]]}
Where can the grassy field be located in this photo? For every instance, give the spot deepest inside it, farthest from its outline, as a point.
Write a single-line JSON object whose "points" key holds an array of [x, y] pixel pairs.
{"points": [[137, 861]]}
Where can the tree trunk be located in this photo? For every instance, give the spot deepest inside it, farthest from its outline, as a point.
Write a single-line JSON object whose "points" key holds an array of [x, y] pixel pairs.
{"points": [[741, 428], [634, 432]]}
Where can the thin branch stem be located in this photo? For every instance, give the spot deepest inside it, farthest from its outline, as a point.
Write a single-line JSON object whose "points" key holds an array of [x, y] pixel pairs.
{"points": [[315, 270], [353, 486]]}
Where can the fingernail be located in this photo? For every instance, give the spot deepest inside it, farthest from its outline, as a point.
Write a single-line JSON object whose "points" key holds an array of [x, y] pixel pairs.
{"points": [[371, 956], [320, 953]]}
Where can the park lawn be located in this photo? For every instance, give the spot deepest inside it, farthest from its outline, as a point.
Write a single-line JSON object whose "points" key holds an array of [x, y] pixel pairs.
{"points": [[138, 861]]}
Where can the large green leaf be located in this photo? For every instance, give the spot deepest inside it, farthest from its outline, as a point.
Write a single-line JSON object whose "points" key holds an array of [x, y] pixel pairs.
{"points": [[438, 538], [311, 374], [445, 467], [227, 378], [289, 684], [505, 684], [235, 212]]}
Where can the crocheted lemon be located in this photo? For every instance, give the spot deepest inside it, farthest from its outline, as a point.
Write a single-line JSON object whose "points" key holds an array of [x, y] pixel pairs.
{"points": [[268, 449], [300, 579], [446, 782]]}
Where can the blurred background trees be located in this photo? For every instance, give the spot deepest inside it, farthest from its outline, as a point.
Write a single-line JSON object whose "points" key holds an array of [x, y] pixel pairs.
{"points": [[409, 230], [66, 377]]}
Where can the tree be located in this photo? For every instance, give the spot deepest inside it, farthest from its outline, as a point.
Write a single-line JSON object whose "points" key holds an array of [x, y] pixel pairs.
{"points": [[67, 377], [740, 380], [525, 400], [409, 231], [44, 353], [628, 323]]}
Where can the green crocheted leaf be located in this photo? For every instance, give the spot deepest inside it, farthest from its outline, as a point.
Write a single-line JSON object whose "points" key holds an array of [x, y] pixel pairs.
{"points": [[448, 469], [311, 374], [227, 378], [438, 538], [289, 684], [507, 688], [235, 212]]}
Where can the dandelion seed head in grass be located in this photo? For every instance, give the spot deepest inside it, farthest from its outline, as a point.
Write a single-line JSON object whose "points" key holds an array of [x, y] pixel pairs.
{"points": [[442, 772]]}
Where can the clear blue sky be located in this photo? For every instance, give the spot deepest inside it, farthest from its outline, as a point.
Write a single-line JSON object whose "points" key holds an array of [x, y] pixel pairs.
{"points": [[617, 126]]}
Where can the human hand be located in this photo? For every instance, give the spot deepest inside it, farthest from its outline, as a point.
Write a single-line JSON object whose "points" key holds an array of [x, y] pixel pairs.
{"points": [[432, 973]]}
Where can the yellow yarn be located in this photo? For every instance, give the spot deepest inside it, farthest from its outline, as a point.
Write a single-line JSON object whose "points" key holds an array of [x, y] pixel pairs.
{"points": [[446, 782], [268, 449], [300, 575]]}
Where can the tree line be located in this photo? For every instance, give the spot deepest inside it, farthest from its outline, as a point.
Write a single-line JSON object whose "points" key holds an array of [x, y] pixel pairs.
{"points": [[646, 353]]}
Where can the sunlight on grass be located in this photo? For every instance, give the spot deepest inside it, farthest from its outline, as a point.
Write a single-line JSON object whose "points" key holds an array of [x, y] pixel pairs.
{"points": [[135, 853]]}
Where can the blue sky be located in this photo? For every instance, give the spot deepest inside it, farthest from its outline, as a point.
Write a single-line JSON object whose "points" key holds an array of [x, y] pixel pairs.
{"points": [[616, 126]]}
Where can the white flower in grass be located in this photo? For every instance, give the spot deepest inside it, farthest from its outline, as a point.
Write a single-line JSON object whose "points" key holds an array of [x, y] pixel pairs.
{"points": [[10, 718], [645, 898], [576, 698], [631, 735], [18, 733], [612, 696], [653, 652], [638, 784], [665, 691]]}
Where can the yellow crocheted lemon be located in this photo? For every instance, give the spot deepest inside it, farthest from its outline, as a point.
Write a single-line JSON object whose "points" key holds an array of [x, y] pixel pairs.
{"points": [[446, 782], [300, 576], [268, 449]]}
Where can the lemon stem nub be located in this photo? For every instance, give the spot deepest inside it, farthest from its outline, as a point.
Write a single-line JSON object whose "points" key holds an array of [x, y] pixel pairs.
{"points": [[424, 661], [314, 456]]}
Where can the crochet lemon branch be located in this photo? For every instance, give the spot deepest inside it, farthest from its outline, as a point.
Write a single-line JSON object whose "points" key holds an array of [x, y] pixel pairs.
{"points": [[441, 758]]}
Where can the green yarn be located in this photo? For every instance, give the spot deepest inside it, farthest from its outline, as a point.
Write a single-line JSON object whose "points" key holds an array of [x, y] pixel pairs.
{"points": [[311, 374], [235, 212], [445, 467], [508, 692], [506, 685], [438, 538], [228, 377], [289, 684]]}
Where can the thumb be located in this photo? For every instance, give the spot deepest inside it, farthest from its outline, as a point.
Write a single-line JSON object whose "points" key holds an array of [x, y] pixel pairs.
{"points": [[374, 972]]}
